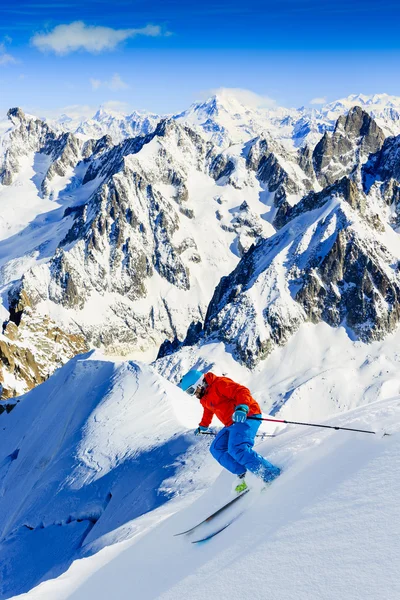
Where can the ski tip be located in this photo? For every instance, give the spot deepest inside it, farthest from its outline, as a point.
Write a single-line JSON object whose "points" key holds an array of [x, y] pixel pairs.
{"points": [[211, 535]]}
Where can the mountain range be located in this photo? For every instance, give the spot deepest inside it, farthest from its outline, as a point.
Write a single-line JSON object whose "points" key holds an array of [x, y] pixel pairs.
{"points": [[142, 234]]}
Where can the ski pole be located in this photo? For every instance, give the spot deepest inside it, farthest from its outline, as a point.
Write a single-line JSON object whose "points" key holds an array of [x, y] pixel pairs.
{"points": [[261, 435], [314, 425]]}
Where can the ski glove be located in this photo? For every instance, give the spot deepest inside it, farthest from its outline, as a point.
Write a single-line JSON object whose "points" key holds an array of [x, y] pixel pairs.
{"points": [[240, 414], [200, 429]]}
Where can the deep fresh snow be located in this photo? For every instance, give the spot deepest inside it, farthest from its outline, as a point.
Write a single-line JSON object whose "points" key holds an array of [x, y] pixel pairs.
{"points": [[327, 528]]}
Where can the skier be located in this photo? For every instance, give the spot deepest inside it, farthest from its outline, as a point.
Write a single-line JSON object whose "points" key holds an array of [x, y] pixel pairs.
{"points": [[233, 405]]}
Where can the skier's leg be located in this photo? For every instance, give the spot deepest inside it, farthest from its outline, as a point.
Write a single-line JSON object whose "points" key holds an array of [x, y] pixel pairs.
{"points": [[219, 450], [240, 448]]}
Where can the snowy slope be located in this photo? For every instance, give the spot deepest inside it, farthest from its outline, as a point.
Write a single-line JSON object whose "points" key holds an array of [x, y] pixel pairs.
{"points": [[97, 445], [97, 428], [327, 528]]}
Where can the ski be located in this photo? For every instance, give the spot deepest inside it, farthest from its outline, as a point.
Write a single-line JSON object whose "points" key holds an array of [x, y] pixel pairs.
{"points": [[211, 535], [214, 514]]}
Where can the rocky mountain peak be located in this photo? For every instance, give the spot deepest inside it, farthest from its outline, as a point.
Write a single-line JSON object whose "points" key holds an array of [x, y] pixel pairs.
{"points": [[358, 123], [326, 264], [355, 137], [16, 115]]}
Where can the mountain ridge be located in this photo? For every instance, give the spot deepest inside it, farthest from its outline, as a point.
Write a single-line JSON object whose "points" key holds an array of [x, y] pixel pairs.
{"points": [[141, 231]]}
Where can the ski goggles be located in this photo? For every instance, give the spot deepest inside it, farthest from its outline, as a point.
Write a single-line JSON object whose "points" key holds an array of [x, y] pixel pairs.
{"points": [[192, 389]]}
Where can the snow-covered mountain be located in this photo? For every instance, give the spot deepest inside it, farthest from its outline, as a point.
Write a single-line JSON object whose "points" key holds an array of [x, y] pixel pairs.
{"points": [[225, 118], [383, 108], [116, 125], [125, 245], [334, 256], [131, 239]]}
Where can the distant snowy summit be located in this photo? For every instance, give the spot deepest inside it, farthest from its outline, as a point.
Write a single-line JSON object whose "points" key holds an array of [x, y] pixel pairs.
{"points": [[225, 119]]}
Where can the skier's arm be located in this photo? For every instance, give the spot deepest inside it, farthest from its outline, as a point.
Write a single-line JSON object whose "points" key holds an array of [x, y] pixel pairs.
{"points": [[207, 418]]}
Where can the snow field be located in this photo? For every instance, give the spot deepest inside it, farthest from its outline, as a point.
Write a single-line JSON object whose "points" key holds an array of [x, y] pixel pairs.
{"points": [[97, 445], [327, 528], [120, 429]]}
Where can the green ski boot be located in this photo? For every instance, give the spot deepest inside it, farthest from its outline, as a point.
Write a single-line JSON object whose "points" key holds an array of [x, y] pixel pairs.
{"points": [[242, 485]]}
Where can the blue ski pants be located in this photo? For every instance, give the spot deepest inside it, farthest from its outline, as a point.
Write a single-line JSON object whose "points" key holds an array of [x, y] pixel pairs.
{"points": [[233, 449]]}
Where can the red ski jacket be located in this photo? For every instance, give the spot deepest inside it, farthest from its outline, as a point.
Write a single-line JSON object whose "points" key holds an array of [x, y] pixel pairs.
{"points": [[221, 398]]}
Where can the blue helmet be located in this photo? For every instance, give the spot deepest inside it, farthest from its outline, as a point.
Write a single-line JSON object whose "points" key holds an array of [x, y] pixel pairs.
{"points": [[191, 381]]}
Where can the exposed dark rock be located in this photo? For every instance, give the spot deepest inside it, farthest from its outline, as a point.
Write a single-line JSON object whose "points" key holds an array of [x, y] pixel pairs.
{"points": [[345, 188], [351, 286], [354, 138], [222, 166]]}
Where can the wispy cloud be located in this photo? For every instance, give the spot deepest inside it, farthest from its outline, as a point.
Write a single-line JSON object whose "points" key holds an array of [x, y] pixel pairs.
{"points": [[321, 100], [246, 97], [5, 57], [115, 84], [65, 39]]}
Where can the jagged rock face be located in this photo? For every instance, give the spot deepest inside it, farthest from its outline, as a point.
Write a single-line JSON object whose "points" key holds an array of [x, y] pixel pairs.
{"points": [[381, 178], [354, 138], [28, 134], [327, 263], [96, 147], [345, 189], [137, 247], [285, 175], [276, 167], [31, 350], [148, 226], [384, 164], [32, 135], [354, 285], [65, 153]]}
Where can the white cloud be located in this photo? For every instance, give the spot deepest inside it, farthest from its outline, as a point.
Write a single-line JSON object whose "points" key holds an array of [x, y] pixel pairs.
{"points": [[5, 57], [246, 97], [321, 100], [64, 39], [117, 107], [115, 83]]}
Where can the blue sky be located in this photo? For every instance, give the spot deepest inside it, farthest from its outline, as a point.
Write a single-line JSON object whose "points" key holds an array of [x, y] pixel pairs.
{"points": [[162, 56]]}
